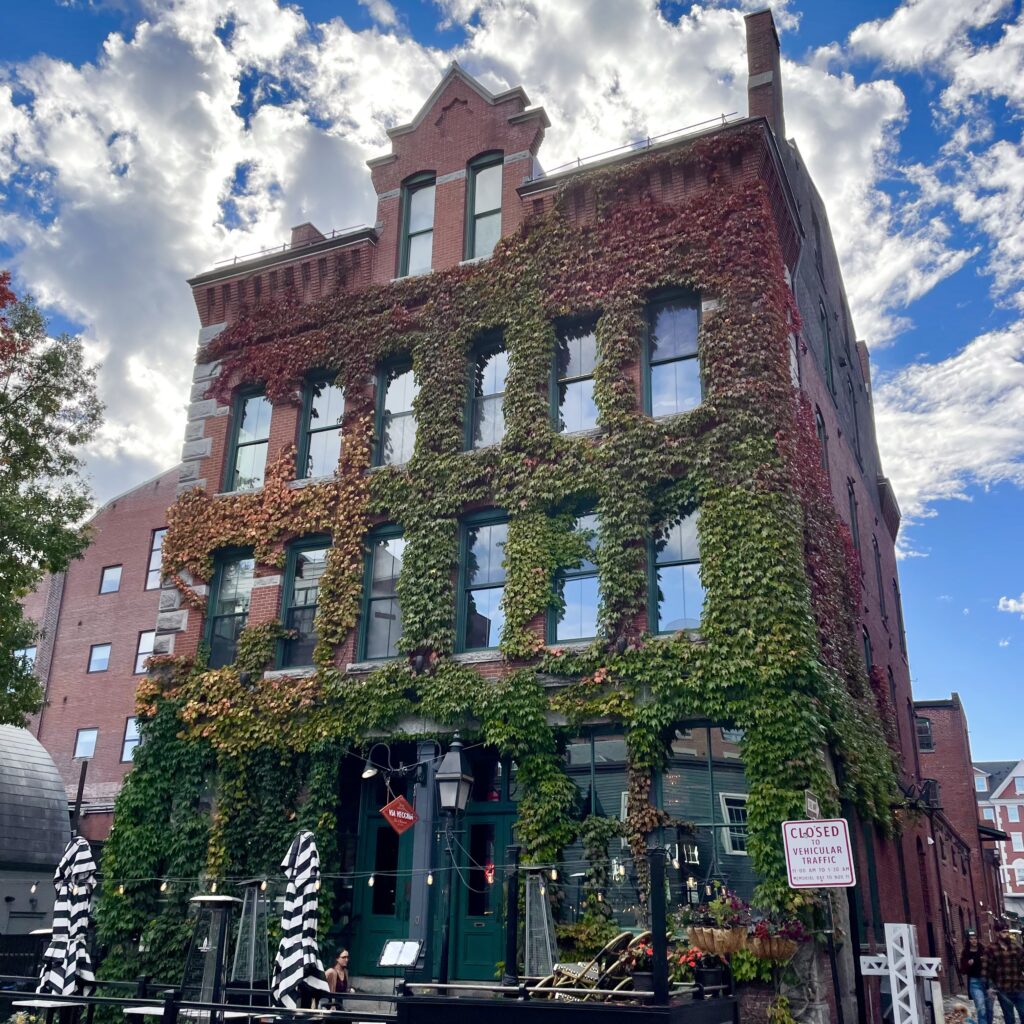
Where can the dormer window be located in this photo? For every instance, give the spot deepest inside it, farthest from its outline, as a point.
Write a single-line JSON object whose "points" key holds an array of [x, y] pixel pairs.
{"points": [[417, 226], [483, 215]]}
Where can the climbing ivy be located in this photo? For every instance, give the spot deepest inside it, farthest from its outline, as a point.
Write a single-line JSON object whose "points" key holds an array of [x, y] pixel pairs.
{"points": [[777, 654]]}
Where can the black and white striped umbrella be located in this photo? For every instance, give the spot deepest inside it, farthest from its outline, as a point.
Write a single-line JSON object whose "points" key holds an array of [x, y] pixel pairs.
{"points": [[67, 969], [298, 970]]}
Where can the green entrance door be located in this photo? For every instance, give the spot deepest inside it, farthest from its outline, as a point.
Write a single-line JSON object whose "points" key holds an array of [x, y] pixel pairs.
{"points": [[381, 909], [478, 902]]}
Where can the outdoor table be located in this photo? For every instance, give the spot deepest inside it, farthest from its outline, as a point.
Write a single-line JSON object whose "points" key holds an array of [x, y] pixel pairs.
{"points": [[49, 1005]]}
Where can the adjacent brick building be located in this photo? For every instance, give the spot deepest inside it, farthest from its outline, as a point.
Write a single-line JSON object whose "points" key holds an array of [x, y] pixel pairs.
{"points": [[999, 788], [97, 625], [964, 847]]}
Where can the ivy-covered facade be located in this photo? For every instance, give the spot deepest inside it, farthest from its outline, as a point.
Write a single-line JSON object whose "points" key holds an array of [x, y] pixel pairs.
{"points": [[536, 459]]}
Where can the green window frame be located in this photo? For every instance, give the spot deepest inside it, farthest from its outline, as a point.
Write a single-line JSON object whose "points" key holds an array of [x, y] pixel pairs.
{"points": [[228, 609], [575, 617], [481, 618], [851, 498], [397, 389], [674, 576], [879, 580], [381, 627], [573, 408], [307, 560], [323, 409], [826, 341], [250, 438], [485, 388], [417, 245], [852, 396], [673, 383], [483, 205]]}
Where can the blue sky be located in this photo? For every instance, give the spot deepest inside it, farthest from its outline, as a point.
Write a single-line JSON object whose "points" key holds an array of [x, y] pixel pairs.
{"points": [[142, 140]]}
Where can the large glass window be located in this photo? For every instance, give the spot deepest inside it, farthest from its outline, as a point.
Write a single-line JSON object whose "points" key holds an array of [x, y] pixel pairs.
{"points": [[678, 595], [99, 657], [85, 742], [826, 341], [144, 649], [418, 227], [484, 222], [305, 567], [673, 366], [110, 579], [483, 584], [229, 609], [396, 438], [578, 589], [382, 619], [323, 409], [487, 395], [252, 431], [131, 739], [575, 359], [155, 557]]}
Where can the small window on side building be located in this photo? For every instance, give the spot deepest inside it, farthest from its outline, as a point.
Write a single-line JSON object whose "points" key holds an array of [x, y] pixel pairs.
{"points": [[156, 547], [85, 742], [144, 649], [925, 740], [99, 657], [110, 579], [131, 739]]}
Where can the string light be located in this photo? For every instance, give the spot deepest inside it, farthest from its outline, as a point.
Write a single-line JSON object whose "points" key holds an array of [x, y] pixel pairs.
{"points": [[33, 887], [163, 885], [542, 889], [213, 887], [120, 889], [369, 881], [554, 874], [263, 885], [318, 885], [430, 878]]}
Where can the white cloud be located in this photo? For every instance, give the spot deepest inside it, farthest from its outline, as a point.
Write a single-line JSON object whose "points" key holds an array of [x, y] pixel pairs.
{"points": [[946, 426], [381, 11], [1005, 642], [921, 32], [1014, 605]]}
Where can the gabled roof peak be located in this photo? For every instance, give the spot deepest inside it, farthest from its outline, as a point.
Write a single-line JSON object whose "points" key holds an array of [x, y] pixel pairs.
{"points": [[453, 71]]}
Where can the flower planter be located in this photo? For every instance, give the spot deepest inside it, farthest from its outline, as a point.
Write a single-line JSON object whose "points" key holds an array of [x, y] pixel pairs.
{"points": [[720, 941], [773, 948], [709, 977], [643, 981]]}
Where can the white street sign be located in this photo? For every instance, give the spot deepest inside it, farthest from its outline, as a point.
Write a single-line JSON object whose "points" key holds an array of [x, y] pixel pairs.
{"points": [[818, 854], [811, 808]]}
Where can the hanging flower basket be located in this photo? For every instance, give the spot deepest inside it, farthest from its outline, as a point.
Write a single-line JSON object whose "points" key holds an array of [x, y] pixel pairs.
{"points": [[772, 948], [720, 941]]}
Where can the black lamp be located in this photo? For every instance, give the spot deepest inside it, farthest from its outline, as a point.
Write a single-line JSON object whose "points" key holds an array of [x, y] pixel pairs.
{"points": [[454, 779]]}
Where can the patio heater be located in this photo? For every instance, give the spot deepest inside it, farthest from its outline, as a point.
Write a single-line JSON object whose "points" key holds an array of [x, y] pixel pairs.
{"points": [[454, 784], [206, 962], [251, 966]]}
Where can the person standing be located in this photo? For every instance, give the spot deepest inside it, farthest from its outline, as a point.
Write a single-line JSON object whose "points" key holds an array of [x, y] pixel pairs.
{"points": [[1003, 966], [972, 968]]}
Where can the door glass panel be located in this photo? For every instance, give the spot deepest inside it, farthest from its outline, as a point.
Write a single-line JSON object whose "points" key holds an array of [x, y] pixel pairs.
{"points": [[481, 870], [385, 867]]}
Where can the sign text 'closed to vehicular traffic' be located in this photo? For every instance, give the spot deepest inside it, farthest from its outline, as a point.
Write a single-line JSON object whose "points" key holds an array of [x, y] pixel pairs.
{"points": [[818, 854]]}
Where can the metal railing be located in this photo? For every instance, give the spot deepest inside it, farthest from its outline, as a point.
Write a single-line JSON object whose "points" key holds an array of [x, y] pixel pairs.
{"points": [[288, 247], [639, 145]]}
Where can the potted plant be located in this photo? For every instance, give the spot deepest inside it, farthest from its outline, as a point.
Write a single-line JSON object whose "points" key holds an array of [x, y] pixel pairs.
{"points": [[641, 966], [710, 971], [730, 918]]}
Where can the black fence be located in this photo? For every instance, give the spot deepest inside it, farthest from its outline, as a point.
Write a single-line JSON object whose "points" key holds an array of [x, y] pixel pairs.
{"points": [[417, 1003]]}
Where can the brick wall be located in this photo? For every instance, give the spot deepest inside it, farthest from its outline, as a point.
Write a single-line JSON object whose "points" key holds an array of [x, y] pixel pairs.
{"points": [[75, 698]]}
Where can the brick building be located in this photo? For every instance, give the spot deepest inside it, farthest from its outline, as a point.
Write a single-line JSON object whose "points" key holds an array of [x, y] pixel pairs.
{"points": [[999, 789], [964, 846], [97, 625], [285, 387]]}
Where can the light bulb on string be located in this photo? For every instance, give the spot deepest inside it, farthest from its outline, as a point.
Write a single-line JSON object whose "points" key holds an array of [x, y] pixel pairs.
{"points": [[163, 885], [554, 874], [120, 889], [369, 881], [213, 887], [318, 885], [430, 878], [33, 887], [542, 889], [263, 885], [675, 863]]}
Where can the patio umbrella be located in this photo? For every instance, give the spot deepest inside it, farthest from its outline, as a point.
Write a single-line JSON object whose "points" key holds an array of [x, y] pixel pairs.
{"points": [[297, 968], [67, 969]]}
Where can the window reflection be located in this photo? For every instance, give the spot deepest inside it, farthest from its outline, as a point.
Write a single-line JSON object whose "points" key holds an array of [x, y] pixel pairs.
{"points": [[575, 360]]}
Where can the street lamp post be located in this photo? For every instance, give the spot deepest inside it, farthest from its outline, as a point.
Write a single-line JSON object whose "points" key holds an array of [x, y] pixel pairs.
{"points": [[454, 784]]}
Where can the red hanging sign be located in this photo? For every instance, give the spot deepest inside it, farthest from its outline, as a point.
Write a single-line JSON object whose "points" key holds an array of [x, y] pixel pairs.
{"points": [[400, 814]]}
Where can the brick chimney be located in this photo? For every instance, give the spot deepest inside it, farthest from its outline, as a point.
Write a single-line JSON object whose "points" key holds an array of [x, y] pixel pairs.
{"points": [[764, 82], [305, 234]]}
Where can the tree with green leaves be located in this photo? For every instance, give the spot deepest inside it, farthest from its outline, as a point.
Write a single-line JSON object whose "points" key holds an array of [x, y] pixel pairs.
{"points": [[48, 410]]}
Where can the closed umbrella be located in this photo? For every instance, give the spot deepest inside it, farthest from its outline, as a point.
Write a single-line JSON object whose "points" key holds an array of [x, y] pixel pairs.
{"points": [[67, 969], [297, 968]]}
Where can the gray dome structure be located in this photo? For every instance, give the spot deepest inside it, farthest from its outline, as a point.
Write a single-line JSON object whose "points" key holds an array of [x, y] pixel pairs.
{"points": [[34, 825]]}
